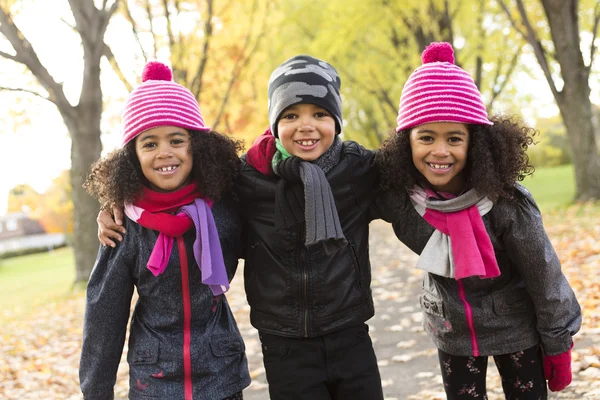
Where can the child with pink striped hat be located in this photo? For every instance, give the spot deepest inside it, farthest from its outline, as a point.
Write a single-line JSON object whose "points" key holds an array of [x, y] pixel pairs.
{"points": [[183, 241], [493, 284]]}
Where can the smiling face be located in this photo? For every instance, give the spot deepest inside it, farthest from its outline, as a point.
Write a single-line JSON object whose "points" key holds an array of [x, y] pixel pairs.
{"points": [[165, 156], [439, 152], [306, 130]]}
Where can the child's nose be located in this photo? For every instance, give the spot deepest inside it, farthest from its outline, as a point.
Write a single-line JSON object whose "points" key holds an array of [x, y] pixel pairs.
{"points": [[440, 150], [164, 151], [306, 122]]}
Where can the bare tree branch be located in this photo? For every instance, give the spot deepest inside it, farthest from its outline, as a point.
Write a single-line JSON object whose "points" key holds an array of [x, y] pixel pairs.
{"points": [[151, 22], [3, 88], [135, 30], [531, 37], [197, 81], [511, 19], [9, 56], [27, 56], [479, 51], [169, 27], [594, 34], [539, 50], [511, 68], [115, 66]]}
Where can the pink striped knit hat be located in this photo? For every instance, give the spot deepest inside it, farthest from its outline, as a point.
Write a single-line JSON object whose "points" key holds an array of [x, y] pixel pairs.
{"points": [[439, 91], [159, 101]]}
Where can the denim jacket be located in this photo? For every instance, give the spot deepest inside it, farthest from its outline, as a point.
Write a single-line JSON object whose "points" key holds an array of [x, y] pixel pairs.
{"points": [[157, 356]]}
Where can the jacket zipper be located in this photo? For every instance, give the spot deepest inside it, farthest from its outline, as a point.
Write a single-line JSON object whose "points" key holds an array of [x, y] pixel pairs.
{"points": [[187, 319], [305, 291], [304, 279], [356, 264], [469, 315]]}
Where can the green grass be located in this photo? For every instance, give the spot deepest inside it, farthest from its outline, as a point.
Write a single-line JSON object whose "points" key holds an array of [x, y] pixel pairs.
{"points": [[27, 282], [552, 187]]}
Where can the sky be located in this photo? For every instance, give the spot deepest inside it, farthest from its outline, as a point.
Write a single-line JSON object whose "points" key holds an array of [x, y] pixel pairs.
{"points": [[35, 143]]}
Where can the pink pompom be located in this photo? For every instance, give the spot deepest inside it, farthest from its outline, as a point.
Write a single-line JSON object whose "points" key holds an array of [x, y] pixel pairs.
{"points": [[438, 52], [156, 71]]}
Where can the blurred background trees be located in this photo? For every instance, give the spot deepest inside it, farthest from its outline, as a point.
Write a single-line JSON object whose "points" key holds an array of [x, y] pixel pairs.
{"points": [[535, 59]]}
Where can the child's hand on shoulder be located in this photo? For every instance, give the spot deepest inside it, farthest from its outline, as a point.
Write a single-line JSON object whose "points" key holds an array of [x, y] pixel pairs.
{"points": [[110, 230]]}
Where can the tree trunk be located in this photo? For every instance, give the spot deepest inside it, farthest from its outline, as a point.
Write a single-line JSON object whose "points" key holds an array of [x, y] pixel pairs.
{"points": [[85, 148], [576, 112], [82, 121], [574, 99]]}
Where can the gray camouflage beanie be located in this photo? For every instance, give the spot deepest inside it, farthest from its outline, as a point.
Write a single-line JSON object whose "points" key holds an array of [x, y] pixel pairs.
{"points": [[304, 79]]}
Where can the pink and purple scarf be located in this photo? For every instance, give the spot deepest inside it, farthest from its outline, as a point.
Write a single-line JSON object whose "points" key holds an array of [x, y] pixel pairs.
{"points": [[153, 210]]}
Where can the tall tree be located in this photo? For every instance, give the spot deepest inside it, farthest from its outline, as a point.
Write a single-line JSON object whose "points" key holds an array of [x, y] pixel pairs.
{"points": [[82, 120], [558, 52]]}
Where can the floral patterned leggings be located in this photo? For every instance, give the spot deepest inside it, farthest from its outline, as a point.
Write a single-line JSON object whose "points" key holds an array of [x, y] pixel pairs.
{"points": [[522, 375]]}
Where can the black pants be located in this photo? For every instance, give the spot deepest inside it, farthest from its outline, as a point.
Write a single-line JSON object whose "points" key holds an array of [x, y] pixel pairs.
{"points": [[340, 365], [522, 375]]}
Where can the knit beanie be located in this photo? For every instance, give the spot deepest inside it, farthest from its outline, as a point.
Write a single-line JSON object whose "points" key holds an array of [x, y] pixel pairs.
{"points": [[304, 79], [439, 91], [159, 101]]}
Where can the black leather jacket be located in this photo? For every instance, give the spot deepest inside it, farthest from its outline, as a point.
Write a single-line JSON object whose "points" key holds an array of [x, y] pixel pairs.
{"points": [[299, 291]]}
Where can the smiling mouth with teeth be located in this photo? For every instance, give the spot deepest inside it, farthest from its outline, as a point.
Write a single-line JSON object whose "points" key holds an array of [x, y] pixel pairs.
{"points": [[439, 166], [307, 142], [165, 169]]}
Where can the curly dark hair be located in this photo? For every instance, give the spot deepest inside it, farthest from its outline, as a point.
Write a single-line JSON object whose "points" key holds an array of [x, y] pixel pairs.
{"points": [[496, 159], [117, 178]]}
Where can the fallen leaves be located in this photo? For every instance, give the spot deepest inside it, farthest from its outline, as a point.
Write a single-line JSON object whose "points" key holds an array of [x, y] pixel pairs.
{"points": [[40, 353]]}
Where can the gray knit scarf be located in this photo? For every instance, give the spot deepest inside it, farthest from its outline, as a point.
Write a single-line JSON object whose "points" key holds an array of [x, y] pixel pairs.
{"points": [[475, 256], [320, 213]]}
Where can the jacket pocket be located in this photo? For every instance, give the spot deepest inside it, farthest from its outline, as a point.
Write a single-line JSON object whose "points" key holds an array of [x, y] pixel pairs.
{"points": [[274, 348], [228, 362], [431, 304], [226, 345], [146, 373], [435, 319], [512, 302]]}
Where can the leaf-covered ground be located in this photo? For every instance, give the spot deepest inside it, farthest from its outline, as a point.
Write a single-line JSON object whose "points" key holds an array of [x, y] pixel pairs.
{"points": [[40, 353]]}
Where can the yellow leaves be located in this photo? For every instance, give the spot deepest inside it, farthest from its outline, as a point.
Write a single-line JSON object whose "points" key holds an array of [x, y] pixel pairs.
{"points": [[575, 234]]}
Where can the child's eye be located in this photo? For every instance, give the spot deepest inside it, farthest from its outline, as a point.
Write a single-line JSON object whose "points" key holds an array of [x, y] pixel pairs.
{"points": [[321, 114], [288, 116], [149, 145], [455, 139], [426, 138], [177, 141]]}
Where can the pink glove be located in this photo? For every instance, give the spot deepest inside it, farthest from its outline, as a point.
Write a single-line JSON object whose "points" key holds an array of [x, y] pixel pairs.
{"points": [[557, 370]]}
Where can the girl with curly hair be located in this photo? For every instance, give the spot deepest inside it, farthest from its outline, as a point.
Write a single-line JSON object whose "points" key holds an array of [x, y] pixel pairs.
{"points": [[493, 284], [171, 174]]}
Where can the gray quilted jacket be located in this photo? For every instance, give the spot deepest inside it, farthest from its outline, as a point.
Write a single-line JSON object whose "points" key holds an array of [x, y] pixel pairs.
{"points": [[216, 364], [530, 303]]}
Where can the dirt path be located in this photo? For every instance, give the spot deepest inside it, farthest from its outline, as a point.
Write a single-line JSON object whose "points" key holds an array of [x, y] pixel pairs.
{"points": [[40, 355]]}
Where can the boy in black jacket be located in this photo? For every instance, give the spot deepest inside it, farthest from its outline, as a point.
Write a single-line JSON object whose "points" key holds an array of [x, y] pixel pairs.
{"points": [[306, 199]]}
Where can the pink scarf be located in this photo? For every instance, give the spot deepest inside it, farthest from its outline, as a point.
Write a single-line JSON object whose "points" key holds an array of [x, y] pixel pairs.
{"points": [[152, 211], [460, 247]]}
